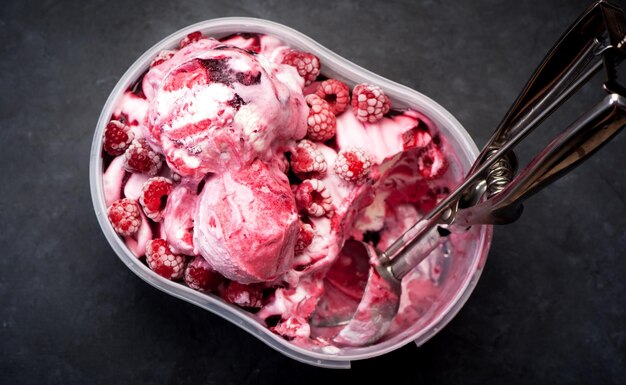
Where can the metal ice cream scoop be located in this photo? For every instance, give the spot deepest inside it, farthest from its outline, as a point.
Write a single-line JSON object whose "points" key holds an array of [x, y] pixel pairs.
{"points": [[492, 192]]}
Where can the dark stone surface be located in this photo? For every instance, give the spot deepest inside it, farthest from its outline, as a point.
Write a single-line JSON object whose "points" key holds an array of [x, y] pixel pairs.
{"points": [[549, 307]]}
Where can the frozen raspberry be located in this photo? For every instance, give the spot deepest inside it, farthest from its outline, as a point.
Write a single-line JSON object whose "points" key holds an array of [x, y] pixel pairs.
{"points": [[313, 197], [162, 57], [336, 93], [200, 276], [191, 38], [139, 157], [153, 197], [431, 163], [307, 162], [305, 237], [162, 260], [416, 138], [307, 64], [352, 165], [248, 296], [125, 217], [369, 103], [117, 137], [321, 123]]}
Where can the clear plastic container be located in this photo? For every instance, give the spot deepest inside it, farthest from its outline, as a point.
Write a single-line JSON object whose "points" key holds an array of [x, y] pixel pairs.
{"points": [[465, 266]]}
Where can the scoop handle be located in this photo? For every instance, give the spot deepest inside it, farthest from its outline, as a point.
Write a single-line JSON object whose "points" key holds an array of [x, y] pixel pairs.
{"points": [[600, 31], [596, 40], [568, 150]]}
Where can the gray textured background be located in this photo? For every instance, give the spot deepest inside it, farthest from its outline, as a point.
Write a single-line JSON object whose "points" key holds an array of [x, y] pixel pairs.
{"points": [[548, 309]]}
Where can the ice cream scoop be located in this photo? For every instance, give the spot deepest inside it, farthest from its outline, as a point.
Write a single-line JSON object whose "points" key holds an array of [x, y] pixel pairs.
{"points": [[246, 223], [214, 106], [491, 193]]}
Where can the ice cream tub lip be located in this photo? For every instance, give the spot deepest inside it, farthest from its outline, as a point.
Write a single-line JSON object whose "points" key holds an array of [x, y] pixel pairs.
{"points": [[334, 66]]}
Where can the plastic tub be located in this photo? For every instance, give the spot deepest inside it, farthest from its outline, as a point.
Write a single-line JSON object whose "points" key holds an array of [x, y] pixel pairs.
{"points": [[463, 271]]}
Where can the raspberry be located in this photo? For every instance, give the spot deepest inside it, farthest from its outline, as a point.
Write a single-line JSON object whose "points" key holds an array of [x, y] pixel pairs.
{"points": [[369, 103], [307, 64], [307, 162], [162, 260], [321, 123], [124, 217], [139, 157], [336, 93], [352, 165], [249, 296], [305, 237], [117, 137], [431, 163], [191, 38], [162, 57], [153, 197], [416, 137], [199, 275], [313, 198]]}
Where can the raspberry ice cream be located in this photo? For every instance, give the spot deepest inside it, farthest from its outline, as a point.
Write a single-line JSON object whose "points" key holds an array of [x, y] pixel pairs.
{"points": [[235, 167], [218, 109], [247, 223], [214, 107]]}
